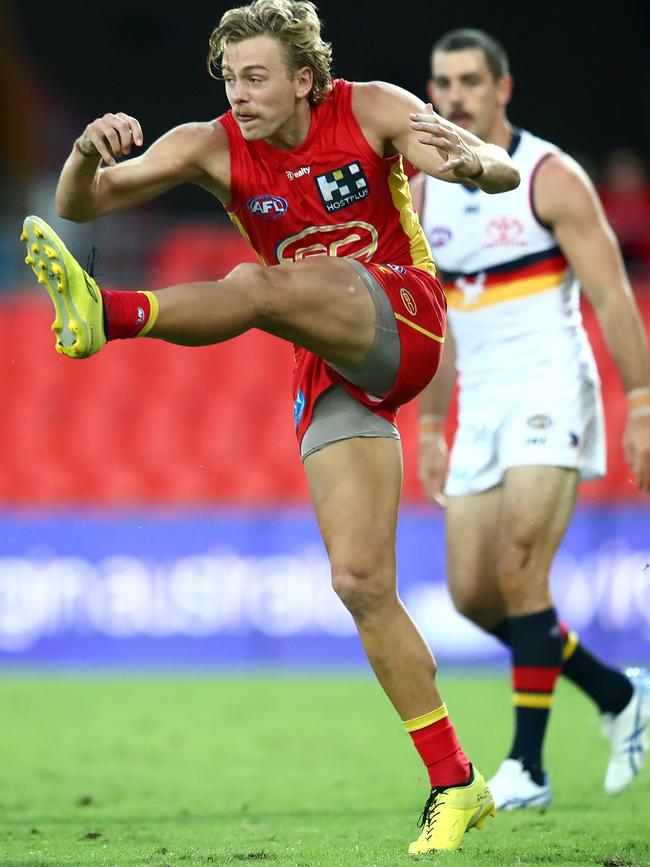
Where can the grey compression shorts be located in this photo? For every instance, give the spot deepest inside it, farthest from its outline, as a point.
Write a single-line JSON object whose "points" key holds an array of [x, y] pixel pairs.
{"points": [[338, 415]]}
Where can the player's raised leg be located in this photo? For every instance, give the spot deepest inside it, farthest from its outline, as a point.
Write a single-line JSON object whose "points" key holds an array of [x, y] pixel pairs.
{"points": [[78, 324], [320, 303], [355, 486]]}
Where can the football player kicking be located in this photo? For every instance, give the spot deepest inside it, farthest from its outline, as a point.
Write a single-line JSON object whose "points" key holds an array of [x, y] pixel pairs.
{"points": [[310, 170]]}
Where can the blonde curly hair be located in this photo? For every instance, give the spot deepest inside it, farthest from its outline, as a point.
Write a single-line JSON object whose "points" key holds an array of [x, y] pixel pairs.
{"points": [[294, 23]]}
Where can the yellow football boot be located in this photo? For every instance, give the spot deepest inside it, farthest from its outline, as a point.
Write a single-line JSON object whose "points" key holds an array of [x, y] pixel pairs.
{"points": [[449, 812], [79, 322]]}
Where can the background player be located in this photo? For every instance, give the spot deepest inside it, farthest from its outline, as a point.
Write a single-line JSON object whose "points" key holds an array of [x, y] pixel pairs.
{"points": [[311, 173], [530, 420]]}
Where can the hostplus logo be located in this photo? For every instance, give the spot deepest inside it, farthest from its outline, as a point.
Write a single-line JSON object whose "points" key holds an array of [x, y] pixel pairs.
{"points": [[342, 187]]}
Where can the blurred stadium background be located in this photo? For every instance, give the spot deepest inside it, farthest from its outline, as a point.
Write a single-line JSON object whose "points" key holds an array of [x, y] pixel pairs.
{"points": [[153, 509]]}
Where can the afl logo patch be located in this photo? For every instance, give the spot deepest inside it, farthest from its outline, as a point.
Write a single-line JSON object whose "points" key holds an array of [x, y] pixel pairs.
{"points": [[268, 207], [539, 422], [439, 236], [408, 301]]}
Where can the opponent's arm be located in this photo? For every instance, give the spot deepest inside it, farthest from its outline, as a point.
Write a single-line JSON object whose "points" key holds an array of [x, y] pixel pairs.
{"points": [[416, 183], [86, 190], [565, 198], [434, 403], [435, 398], [395, 118]]}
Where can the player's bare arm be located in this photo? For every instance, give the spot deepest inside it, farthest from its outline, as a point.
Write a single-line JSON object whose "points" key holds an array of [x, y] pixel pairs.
{"points": [[394, 120], [192, 153], [416, 183], [439, 132], [565, 198], [434, 402]]}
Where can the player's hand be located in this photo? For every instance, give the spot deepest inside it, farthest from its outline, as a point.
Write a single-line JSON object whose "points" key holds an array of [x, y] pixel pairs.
{"points": [[434, 458], [110, 137], [636, 443], [458, 157]]}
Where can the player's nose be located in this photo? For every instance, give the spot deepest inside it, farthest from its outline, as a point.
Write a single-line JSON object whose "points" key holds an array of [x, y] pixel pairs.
{"points": [[238, 94], [456, 94]]}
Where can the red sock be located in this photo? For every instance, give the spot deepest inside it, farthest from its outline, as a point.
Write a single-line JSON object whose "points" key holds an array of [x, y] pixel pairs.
{"points": [[440, 749], [125, 313]]}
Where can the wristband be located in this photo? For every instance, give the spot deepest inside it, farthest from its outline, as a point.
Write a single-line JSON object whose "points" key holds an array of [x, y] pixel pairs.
{"points": [[430, 423], [638, 399], [431, 427]]}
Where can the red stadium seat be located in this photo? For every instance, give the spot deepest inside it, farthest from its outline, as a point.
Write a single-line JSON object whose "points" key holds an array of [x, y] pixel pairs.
{"points": [[196, 251], [145, 422]]}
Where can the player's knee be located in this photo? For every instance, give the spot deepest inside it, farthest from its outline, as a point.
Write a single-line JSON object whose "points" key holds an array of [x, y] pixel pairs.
{"points": [[260, 285], [473, 606], [514, 557], [363, 587], [518, 570]]}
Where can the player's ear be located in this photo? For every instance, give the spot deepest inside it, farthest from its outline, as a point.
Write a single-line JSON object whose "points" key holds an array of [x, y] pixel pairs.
{"points": [[304, 81], [504, 90]]}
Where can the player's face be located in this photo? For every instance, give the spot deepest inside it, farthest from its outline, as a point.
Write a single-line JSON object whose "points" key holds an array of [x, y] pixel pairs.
{"points": [[464, 91], [262, 93]]}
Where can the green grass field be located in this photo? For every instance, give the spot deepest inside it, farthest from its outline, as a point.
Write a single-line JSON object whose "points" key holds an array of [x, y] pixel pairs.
{"points": [[317, 772]]}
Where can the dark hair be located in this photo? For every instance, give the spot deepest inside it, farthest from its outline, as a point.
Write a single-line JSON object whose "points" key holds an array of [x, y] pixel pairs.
{"points": [[466, 37]]}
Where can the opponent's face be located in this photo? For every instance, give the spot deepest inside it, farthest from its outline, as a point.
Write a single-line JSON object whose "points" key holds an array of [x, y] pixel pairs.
{"points": [[464, 91], [261, 91]]}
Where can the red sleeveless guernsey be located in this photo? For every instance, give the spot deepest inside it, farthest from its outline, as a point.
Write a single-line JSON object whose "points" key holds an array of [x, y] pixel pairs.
{"points": [[334, 196]]}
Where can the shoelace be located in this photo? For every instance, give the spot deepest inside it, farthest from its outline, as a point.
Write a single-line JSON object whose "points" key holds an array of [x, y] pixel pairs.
{"points": [[431, 807], [90, 264]]}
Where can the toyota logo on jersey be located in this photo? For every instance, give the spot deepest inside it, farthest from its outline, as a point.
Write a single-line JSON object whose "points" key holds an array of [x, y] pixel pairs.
{"points": [[505, 232], [268, 207]]}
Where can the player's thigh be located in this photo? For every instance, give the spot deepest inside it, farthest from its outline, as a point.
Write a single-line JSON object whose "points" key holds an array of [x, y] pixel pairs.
{"points": [[536, 508], [322, 304], [471, 523], [355, 486]]}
